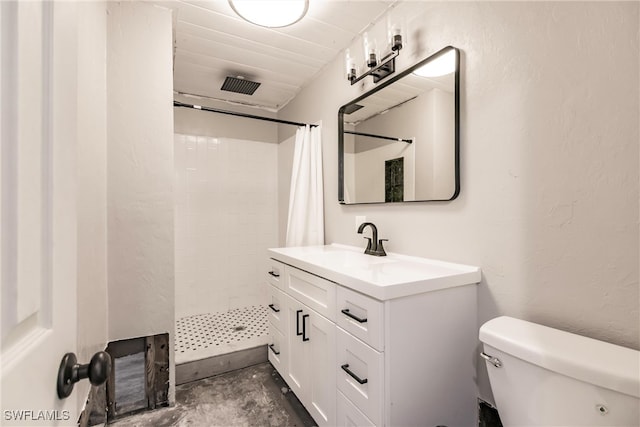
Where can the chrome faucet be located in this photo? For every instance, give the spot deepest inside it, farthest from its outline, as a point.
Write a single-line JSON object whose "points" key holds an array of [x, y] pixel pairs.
{"points": [[374, 246]]}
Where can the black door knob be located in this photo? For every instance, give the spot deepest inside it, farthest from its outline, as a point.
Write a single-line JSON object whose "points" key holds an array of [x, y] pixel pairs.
{"points": [[70, 372], [99, 368]]}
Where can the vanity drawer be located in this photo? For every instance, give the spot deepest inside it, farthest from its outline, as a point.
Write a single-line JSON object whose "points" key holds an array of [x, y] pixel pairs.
{"points": [[275, 273], [313, 291], [362, 316], [360, 375], [347, 415], [277, 308], [278, 350]]}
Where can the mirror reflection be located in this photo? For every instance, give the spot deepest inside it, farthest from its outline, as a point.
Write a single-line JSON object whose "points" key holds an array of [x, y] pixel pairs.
{"points": [[399, 142]]}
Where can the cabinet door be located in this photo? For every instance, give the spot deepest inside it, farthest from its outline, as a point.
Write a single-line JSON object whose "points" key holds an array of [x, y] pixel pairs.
{"points": [[275, 273], [314, 292], [277, 308], [348, 415], [278, 350], [321, 347], [278, 331], [361, 316], [310, 371], [297, 371], [361, 374]]}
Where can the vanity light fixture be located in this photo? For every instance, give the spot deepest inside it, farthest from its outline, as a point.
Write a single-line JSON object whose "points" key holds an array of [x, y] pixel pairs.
{"points": [[440, 66], [270, 13], [379, 70]]}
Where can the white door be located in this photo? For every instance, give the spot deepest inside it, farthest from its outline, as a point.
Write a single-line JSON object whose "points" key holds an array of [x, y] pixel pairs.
{"points": [[38, 92]]}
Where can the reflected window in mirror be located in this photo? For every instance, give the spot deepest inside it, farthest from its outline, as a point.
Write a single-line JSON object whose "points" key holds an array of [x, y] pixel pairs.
{"points": [[399, 142]]}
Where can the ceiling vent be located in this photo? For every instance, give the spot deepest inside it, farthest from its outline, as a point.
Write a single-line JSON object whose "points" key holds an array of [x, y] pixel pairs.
{"points": [[239, 85]]}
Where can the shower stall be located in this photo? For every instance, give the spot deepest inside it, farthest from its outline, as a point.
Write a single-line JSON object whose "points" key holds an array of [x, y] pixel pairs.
{"points": [[226, 216]]}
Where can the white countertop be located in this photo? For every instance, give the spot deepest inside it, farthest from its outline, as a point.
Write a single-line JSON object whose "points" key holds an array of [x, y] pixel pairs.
{"points": [[383, 278]]}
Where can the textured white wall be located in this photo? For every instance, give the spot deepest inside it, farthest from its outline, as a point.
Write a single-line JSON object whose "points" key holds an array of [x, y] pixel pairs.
{"points": [[92, 185], [140, 172], [549, 161], [226, 217]]}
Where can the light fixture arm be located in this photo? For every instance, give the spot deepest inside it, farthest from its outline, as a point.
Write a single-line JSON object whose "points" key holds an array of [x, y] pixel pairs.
{"points": [[386, 66]]}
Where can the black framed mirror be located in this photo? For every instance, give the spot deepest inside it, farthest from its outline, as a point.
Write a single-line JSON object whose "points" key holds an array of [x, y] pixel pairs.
{"points": [[399, 142]]}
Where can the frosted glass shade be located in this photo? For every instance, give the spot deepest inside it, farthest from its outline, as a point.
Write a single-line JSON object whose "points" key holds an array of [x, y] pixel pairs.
{"points": [[270, 13]]}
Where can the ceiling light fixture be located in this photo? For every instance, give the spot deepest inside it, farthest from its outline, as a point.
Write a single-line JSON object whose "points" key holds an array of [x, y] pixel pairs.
{"points": [[270, 13], [377, 69]]}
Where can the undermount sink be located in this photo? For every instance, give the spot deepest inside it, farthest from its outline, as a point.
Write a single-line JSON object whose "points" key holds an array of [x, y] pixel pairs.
{"points": [[387, 277]]}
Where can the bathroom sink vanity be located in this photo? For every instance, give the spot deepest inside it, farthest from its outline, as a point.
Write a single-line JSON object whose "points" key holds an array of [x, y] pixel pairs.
{"points": [[380, 341]]}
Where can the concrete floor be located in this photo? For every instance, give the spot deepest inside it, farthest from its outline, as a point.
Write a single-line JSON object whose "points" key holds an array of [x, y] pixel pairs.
{"points": [[251, 396]]}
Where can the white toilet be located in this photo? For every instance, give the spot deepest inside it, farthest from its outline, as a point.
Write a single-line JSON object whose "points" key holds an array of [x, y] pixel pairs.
{"points": [[545, 377]]}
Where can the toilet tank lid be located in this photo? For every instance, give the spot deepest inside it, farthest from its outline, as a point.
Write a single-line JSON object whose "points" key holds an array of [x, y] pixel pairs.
{"points": [[597, 362]]}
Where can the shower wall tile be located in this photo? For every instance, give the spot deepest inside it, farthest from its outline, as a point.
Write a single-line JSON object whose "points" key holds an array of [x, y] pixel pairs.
{"points": [[226, 217]]}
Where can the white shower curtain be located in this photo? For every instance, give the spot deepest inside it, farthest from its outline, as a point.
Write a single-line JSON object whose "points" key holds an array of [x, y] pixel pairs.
{"points": [[305, 225]]}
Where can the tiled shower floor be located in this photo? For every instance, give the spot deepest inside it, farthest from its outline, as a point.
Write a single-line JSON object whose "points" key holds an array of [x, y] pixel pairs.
{"points": [[212, 334]]}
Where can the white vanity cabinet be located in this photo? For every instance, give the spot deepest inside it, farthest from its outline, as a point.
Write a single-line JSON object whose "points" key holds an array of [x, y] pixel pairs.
{"points": [[370, 341], [305, 354]]}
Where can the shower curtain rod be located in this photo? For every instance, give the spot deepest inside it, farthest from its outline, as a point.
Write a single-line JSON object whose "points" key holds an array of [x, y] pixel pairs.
{"points": [[370, 135], [233, 113]]}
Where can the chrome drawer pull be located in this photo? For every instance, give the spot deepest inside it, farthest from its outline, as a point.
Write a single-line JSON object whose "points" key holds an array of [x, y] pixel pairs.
{"points": [[493, 360], [273, 308], [356, 318], [345, 368]]}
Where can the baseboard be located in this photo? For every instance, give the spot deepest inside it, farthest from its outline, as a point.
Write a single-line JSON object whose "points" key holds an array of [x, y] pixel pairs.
{"points": [[216, 365]]}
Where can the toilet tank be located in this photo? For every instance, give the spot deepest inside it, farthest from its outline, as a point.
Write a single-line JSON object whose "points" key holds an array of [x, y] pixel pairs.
{"points": [[550, 377]]}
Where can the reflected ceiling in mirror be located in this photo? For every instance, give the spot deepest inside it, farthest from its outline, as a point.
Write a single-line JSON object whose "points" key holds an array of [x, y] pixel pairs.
{"points": [[399, 142]]}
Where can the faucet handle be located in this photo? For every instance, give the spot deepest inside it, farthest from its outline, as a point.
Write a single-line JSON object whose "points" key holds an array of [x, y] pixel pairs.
{"points": [[380, 251]]}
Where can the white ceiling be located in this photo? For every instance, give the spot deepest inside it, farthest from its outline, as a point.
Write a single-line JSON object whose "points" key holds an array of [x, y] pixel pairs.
{"points": [[212, 42]]}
